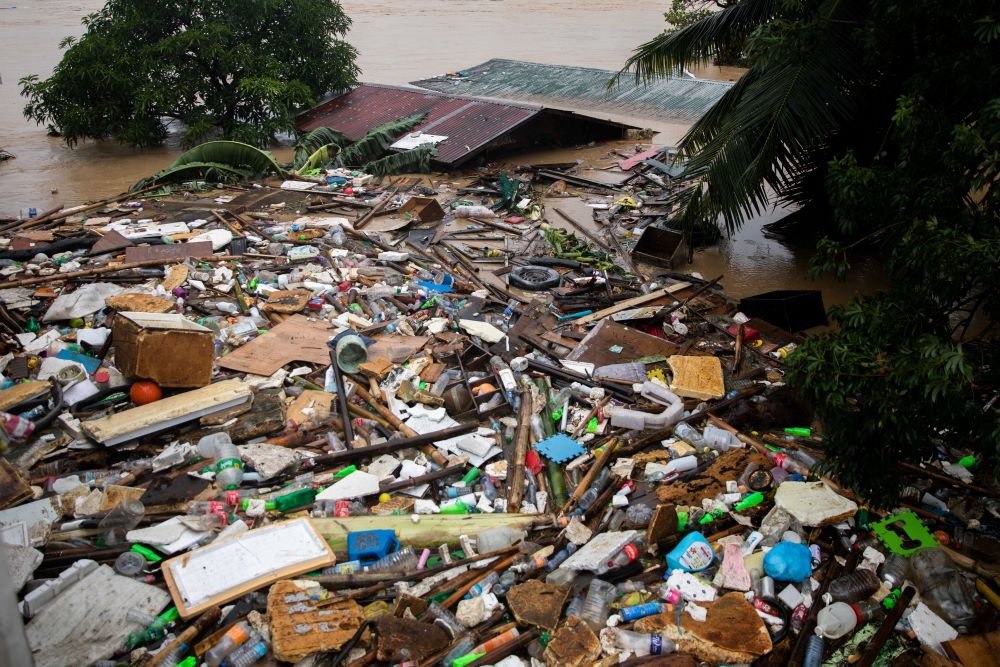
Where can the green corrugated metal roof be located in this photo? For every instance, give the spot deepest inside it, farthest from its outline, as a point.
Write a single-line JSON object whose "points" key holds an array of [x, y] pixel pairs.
{"points": [[672, 98]]}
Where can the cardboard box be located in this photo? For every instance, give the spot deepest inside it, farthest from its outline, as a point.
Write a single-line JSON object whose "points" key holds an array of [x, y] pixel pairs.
{"points": [[167, 348], [425, 209]]}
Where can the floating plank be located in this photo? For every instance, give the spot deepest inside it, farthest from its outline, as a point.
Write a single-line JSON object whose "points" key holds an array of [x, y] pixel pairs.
{"points": [[167, 412], [144, 253], [431, 531], [223, 571], [634, 301], [296, 339]]}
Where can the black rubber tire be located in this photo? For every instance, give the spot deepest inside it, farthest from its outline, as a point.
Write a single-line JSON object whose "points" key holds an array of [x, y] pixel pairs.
{"points": [[534, 278]]}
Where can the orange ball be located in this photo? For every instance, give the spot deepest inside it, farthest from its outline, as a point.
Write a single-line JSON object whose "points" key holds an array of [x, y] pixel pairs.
{"points": [[144, 392]]}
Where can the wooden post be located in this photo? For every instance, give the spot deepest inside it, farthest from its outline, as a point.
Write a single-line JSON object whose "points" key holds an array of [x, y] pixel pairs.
{"points": [[516, 487]]}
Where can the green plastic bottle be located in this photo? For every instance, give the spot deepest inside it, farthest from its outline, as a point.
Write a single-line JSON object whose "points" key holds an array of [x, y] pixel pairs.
{"points": [[293, 500], [799, 431], [754, 499]]}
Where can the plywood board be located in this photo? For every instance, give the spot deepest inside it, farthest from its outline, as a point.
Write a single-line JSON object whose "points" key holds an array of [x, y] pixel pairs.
{"points": [[296, 339], [301, 625], [396, 348], [598, 345], [14, 488], [167, 412], [223, 571], [310, 406], [697, 377]]}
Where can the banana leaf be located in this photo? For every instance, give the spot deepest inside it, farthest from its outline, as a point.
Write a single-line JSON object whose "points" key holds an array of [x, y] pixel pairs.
{"points": [[212, 171], [308, 144], [376, 142], [319, 159], [416, 160]]}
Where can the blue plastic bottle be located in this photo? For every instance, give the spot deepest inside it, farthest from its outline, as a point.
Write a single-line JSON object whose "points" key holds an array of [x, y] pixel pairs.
{"points": [[693, 554]]}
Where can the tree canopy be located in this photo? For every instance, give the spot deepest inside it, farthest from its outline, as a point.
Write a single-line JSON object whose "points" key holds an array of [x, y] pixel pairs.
{"points": [[880, 119], [235, 68]]}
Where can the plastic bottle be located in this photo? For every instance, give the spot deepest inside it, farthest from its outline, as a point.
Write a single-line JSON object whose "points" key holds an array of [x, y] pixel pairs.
{"points": [[252, 651], [404, 559], [228, 465], [942, 588], [597, 605], [483, 586], [227, 307], [689, 434], [500, 537], [122, 518], [628, 553], [642, 644], [858, 585], [814, 652], [235, 637], [559, 557], [507, 380], [591, 495], [895, 570], [836, 620], [462, 648], [719, 438], [637, 611]]}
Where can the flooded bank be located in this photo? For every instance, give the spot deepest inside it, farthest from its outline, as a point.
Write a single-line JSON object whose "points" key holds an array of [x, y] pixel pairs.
{"points": [[398, 42]]}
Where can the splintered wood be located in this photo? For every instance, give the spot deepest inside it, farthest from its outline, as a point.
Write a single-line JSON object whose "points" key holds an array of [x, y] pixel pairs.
{"points": [[302, 624]]}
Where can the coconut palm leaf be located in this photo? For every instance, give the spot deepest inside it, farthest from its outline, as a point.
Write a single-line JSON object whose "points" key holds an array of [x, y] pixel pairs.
{"points": [[376, 142], [416, 160], [665, 54], [766, 133], [311, 142], [211, 171]]}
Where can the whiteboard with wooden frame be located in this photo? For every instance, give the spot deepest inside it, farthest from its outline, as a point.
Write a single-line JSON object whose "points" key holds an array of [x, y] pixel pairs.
{"points": [[224, 571]]}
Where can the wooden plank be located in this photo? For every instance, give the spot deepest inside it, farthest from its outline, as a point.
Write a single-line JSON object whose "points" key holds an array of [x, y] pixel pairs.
{"points": [[431, 531], [296, 339], [634, 301], [167, 412], [20, 392], [168, 251]]}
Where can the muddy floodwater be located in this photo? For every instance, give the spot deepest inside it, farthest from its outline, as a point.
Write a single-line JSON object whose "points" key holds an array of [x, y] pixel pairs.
{"points": [[398, 41]]}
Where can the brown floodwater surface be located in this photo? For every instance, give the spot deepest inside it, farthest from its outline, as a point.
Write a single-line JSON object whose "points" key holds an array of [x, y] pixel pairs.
{"points": [[398, 41]]}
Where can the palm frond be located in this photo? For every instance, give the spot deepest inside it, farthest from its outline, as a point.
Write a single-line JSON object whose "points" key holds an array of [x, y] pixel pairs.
{"points": [[376, 142], [670, 51], [311, 142], [414, 161]]}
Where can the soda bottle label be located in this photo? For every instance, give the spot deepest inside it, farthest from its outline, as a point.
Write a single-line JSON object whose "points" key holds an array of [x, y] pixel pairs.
{"points": [[342, 508], [631, 551], [655, 644], [225, 464]]}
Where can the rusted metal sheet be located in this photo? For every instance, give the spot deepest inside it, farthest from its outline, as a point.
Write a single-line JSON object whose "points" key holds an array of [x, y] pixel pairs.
{"points": [[143, 253]]}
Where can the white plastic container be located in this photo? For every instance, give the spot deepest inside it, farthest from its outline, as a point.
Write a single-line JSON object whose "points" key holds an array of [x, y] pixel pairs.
{"points": [[836, 620]]}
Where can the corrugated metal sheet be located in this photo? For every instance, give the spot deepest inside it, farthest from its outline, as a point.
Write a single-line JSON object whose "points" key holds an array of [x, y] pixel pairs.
{"points": [[672, 99], [469, 124]]}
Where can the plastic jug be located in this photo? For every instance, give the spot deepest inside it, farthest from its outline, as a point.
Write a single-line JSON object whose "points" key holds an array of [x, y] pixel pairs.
{"points": [[836, 620], [693, 554]]}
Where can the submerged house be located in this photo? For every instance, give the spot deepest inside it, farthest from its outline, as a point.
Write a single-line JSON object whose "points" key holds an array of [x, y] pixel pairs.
{"points": [[462, 128]]}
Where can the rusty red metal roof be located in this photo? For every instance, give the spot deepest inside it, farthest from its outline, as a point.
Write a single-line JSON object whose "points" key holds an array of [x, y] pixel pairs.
{"points": [[470, 124]]}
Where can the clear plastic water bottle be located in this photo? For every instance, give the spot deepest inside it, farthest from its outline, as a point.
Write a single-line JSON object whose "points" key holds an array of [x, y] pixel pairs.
{"points": [[597, 605], [628, 553], [895, 570], [228, 465], [643, 644], [235, 637], [404, 559], [942, 588], [559, 557], [122, 518], [591, 495], [483, 586], [252, 651], [689, 434]]}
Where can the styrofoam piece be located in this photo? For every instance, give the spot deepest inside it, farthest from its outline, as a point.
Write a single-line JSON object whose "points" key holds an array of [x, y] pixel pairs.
{"points": [[47, 592], [356, 485], [598, 551]]}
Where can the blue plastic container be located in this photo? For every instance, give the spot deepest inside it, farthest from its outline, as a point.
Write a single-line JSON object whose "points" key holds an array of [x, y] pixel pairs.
{"points": [[693, 554], [368, 546]]}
